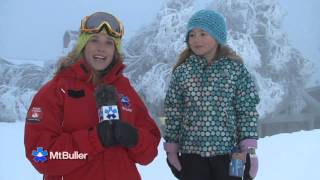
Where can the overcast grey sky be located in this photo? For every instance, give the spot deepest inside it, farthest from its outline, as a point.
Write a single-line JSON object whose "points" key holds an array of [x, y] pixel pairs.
{"points": [[303, 26], [34, 29]]}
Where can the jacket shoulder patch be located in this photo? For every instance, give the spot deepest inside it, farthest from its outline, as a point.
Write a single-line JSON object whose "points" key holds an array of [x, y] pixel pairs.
{"points": [[34, 115], [126, 104]]}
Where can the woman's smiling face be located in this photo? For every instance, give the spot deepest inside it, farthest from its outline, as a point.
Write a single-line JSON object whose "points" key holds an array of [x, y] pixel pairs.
{"points": [[99, 51]]}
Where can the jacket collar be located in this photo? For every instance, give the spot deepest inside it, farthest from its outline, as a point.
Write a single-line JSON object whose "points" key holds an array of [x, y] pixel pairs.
{"points": [[202, 61]]}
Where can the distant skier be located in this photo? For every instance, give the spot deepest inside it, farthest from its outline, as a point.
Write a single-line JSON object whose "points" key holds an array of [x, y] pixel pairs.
{"points": [[210, 107]]}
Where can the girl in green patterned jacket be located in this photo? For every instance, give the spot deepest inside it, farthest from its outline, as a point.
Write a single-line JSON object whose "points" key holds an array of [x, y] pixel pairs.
{"points": [[210, 106]]}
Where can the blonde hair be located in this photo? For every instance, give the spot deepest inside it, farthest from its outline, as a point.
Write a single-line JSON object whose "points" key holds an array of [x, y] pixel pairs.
{"points": [[77, 53], [222, 51]]}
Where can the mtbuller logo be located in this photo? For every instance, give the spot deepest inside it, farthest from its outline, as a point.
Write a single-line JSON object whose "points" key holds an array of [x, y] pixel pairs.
{"points": [[40, 155]]}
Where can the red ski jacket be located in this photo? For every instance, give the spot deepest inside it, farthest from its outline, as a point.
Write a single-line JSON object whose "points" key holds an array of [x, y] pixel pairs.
{"points": [[61, 139]]}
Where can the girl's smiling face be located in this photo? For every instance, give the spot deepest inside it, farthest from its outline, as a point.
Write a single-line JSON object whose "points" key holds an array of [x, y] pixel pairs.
{"points": [[202, 44]]}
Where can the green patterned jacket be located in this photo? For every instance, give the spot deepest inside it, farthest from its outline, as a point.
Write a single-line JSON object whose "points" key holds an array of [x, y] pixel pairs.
{"points": [[209, 108]]}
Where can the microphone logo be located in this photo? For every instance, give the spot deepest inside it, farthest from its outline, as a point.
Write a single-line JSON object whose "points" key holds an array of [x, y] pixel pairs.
{"points": [[108, 113]]}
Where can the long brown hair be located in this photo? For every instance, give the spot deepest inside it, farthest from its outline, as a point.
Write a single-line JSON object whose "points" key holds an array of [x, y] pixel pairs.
{"points": [[73, 57], [222, 51]]}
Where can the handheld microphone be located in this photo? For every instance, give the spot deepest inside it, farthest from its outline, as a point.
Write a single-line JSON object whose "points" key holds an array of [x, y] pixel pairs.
{"points": [[106, 99]]}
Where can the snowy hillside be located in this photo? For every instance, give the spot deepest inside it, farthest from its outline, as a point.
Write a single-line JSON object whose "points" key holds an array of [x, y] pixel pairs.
{"points": [[282, 157], [18, 84]]}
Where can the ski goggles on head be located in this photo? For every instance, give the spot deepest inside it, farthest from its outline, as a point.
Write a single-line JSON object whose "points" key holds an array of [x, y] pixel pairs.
{"points": [[99, 20]]}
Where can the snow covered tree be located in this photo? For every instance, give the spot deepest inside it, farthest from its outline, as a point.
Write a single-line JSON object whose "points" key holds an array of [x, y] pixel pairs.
{"points": [[151, 53], [255, 32], [17, 86]]}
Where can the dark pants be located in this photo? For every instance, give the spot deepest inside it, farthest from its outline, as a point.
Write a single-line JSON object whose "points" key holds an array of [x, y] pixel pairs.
{"points": [[195, 167]]}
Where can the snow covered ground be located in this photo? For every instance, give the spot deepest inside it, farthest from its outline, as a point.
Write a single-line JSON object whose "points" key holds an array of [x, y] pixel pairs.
{"points": [[292, 156]]}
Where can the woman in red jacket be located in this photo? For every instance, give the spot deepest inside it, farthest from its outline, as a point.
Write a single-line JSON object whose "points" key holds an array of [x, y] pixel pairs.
{"points": [[66, 138]]}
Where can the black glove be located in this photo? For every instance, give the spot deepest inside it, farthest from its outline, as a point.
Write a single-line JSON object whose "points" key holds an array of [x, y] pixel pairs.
{"points": [[125, 134], [174, 171], [106, 134], [246, 175]]}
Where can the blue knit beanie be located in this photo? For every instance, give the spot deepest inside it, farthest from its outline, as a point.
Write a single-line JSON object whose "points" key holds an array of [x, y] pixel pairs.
{"points": [[211, 22]]}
